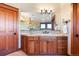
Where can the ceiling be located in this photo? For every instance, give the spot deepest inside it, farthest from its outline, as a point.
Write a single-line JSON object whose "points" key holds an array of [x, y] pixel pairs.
{"points": [[25, 7], [31, 7]]}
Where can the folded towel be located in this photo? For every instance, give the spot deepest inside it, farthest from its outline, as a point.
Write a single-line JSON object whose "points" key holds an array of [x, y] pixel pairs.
{"points": [[65, 28]]}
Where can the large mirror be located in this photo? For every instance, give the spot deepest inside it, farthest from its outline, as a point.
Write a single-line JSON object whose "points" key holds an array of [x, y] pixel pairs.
{"points": [[37, 21], [46, 17]]}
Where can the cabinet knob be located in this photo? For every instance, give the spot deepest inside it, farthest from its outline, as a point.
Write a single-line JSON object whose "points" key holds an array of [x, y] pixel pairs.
{"points": [[76, 35], [14, 33]]}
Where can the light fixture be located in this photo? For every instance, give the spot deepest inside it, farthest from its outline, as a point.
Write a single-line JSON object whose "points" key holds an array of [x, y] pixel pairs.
{"points": [[46, 11]]}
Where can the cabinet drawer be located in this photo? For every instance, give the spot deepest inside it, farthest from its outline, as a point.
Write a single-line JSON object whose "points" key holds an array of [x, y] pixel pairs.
{"points": [[62, 50], [44, 37], [62, 37], [62, 41], [32, 38], [62, 45], [48, 38]]}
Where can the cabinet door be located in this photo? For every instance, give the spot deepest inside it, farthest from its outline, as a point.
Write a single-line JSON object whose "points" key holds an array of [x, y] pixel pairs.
{"points": [[24, 43], [43, 47], [52, 46], [33, 45], [62, 45]]}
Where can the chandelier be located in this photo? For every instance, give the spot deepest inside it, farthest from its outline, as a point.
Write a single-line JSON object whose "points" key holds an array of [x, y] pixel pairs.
{"points": [[45, 11]]}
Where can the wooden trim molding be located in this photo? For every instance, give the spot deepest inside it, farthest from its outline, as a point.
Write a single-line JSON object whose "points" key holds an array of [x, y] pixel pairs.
{"points": [[73, 27], [8, 7]]}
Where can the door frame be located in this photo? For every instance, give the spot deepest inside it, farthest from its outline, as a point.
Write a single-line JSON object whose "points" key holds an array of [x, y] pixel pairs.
{"points": [[73, 28]]}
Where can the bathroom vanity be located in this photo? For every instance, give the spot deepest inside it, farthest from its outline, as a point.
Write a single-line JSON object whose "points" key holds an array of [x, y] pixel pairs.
{"points": [[44, 35], [44, 44]]}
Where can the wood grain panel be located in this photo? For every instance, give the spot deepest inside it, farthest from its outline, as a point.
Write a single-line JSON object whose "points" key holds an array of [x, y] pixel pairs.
{"points": [[52, 47], [2, 20], [62, 45], [8, 29], [2, 41], [75, 30], [31, 47], [43, 47]]}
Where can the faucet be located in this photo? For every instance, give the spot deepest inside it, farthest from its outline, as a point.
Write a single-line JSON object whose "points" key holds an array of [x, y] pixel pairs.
{"points": [[45, 32]]}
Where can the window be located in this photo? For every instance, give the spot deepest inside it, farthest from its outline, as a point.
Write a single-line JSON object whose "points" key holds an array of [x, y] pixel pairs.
{"points": [[42, 26], [46, 25], [49, 26]]}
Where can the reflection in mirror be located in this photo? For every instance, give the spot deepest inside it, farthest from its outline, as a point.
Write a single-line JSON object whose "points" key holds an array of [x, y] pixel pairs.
{"points": [[34, 19], [46, 26], [42, 26], [49, 26]]}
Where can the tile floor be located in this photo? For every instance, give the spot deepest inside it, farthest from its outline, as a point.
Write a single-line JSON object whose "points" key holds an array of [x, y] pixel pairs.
{"points": [[17, 53]]}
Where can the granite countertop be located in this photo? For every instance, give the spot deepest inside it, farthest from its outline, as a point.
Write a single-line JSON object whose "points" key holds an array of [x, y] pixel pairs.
{"points": [[40, 34]]}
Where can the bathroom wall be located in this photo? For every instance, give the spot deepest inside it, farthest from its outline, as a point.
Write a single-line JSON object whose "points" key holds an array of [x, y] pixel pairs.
{"points": [[63, 13], [66, 14]]}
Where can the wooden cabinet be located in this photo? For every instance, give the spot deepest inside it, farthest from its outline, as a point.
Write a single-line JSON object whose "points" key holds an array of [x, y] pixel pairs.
{"points": [[33, 45], [44, 45], [30, 45], [48, 45], [52, 46], [24, 43], [62, 45]]}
